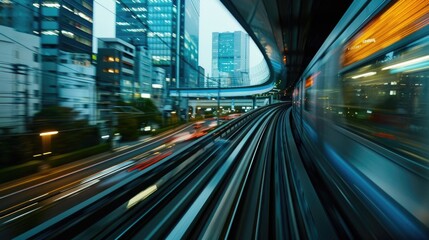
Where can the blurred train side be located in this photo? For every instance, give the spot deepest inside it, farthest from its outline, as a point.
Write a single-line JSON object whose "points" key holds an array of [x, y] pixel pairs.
{"points": [[363, 103]]}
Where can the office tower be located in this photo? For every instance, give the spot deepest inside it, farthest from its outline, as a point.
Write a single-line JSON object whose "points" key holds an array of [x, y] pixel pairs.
{"points": [[20, 79], [66, 33], [131, 26], [162, 39], [115, 75], [189, 63], [131, 21], [230, 58], [201, 77]]}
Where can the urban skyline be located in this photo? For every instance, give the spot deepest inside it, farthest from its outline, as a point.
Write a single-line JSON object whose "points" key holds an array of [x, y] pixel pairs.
{"points": [[65, 62], [213, 18]]}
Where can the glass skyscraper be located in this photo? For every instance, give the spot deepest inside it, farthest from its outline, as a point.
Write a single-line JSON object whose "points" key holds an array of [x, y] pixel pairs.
{"points": [[131, 21], [230, 58], [163, 41], [190, 69], [160, 34], [131, 26]]}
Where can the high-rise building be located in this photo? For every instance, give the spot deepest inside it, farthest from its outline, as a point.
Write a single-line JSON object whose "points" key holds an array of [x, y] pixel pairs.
{"points": [[65, 48], [115, 75], [131, 21], [19, 15], [131, 26], [20, 79], [162, 39], [189, 63], [230, 58], [65, 27]]}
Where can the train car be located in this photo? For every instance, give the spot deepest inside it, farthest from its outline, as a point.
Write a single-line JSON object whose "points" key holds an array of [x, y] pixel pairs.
{"points": [[363, 104]]}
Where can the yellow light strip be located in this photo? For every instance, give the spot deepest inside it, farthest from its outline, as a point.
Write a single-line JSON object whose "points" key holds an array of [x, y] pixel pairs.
{"points": [[408, 63], [141, 196], [364, 75], [401, 19]]}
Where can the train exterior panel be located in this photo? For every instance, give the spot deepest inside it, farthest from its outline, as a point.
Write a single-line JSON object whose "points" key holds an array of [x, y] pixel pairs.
{"points": [[363, 102]]}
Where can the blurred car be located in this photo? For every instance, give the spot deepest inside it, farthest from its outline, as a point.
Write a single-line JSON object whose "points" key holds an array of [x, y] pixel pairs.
{"points": [[198, 125]]}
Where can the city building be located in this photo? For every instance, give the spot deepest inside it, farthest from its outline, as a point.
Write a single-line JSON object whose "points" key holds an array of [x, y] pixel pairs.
{"points": [[131, 21], [19, 15], [143, 71], [76, 84], [131, 27], [66, 46], [162, 39], [189, 47], [230, 58], [115, 75], [20, 79], [159, 87]]}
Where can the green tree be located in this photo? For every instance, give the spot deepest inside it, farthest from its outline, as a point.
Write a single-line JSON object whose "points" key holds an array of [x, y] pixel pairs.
{"points": [[74, 133], [149, 112], [128, 127], [146, 105], [15, 149]]}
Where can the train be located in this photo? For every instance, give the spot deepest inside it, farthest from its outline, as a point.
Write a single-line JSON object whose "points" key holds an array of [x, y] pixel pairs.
{"points": [[361, 111]]}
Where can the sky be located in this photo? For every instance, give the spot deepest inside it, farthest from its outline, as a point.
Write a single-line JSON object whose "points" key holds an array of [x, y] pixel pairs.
{"points": [[213, 18]]}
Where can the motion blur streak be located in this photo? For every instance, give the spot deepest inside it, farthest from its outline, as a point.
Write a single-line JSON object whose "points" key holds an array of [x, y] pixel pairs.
{"points": [[141, 196], [109, 171], [394, 215], [77, 189], [364, 122], [10, 220]]}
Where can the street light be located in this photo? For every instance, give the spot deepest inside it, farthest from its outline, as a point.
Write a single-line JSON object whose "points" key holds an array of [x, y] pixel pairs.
{"points": [[46, 141], [48, 133]]}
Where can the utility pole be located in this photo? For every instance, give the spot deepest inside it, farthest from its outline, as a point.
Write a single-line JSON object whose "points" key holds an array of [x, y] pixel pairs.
{"points": [[218, 101], [22, 69], [179, 19]]}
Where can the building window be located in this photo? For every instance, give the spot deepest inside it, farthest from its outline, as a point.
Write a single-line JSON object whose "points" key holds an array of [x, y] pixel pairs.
{"points": [[111, 70], [49, 58], [109, 59], [36, 93]]}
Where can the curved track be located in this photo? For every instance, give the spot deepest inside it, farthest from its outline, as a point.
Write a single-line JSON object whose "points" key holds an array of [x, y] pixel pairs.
{"points": [[236, 181]]}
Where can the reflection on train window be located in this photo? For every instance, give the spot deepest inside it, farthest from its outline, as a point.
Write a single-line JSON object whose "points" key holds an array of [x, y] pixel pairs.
{"points": [[310, 92], [388, 98]]}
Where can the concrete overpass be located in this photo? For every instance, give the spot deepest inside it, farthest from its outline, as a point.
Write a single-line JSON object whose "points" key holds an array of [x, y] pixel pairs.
{"points": [[232, 103]]}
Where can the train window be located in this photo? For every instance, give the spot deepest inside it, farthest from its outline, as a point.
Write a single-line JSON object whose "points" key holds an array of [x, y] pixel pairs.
{"points": [[310, 92], [388, 98]]}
